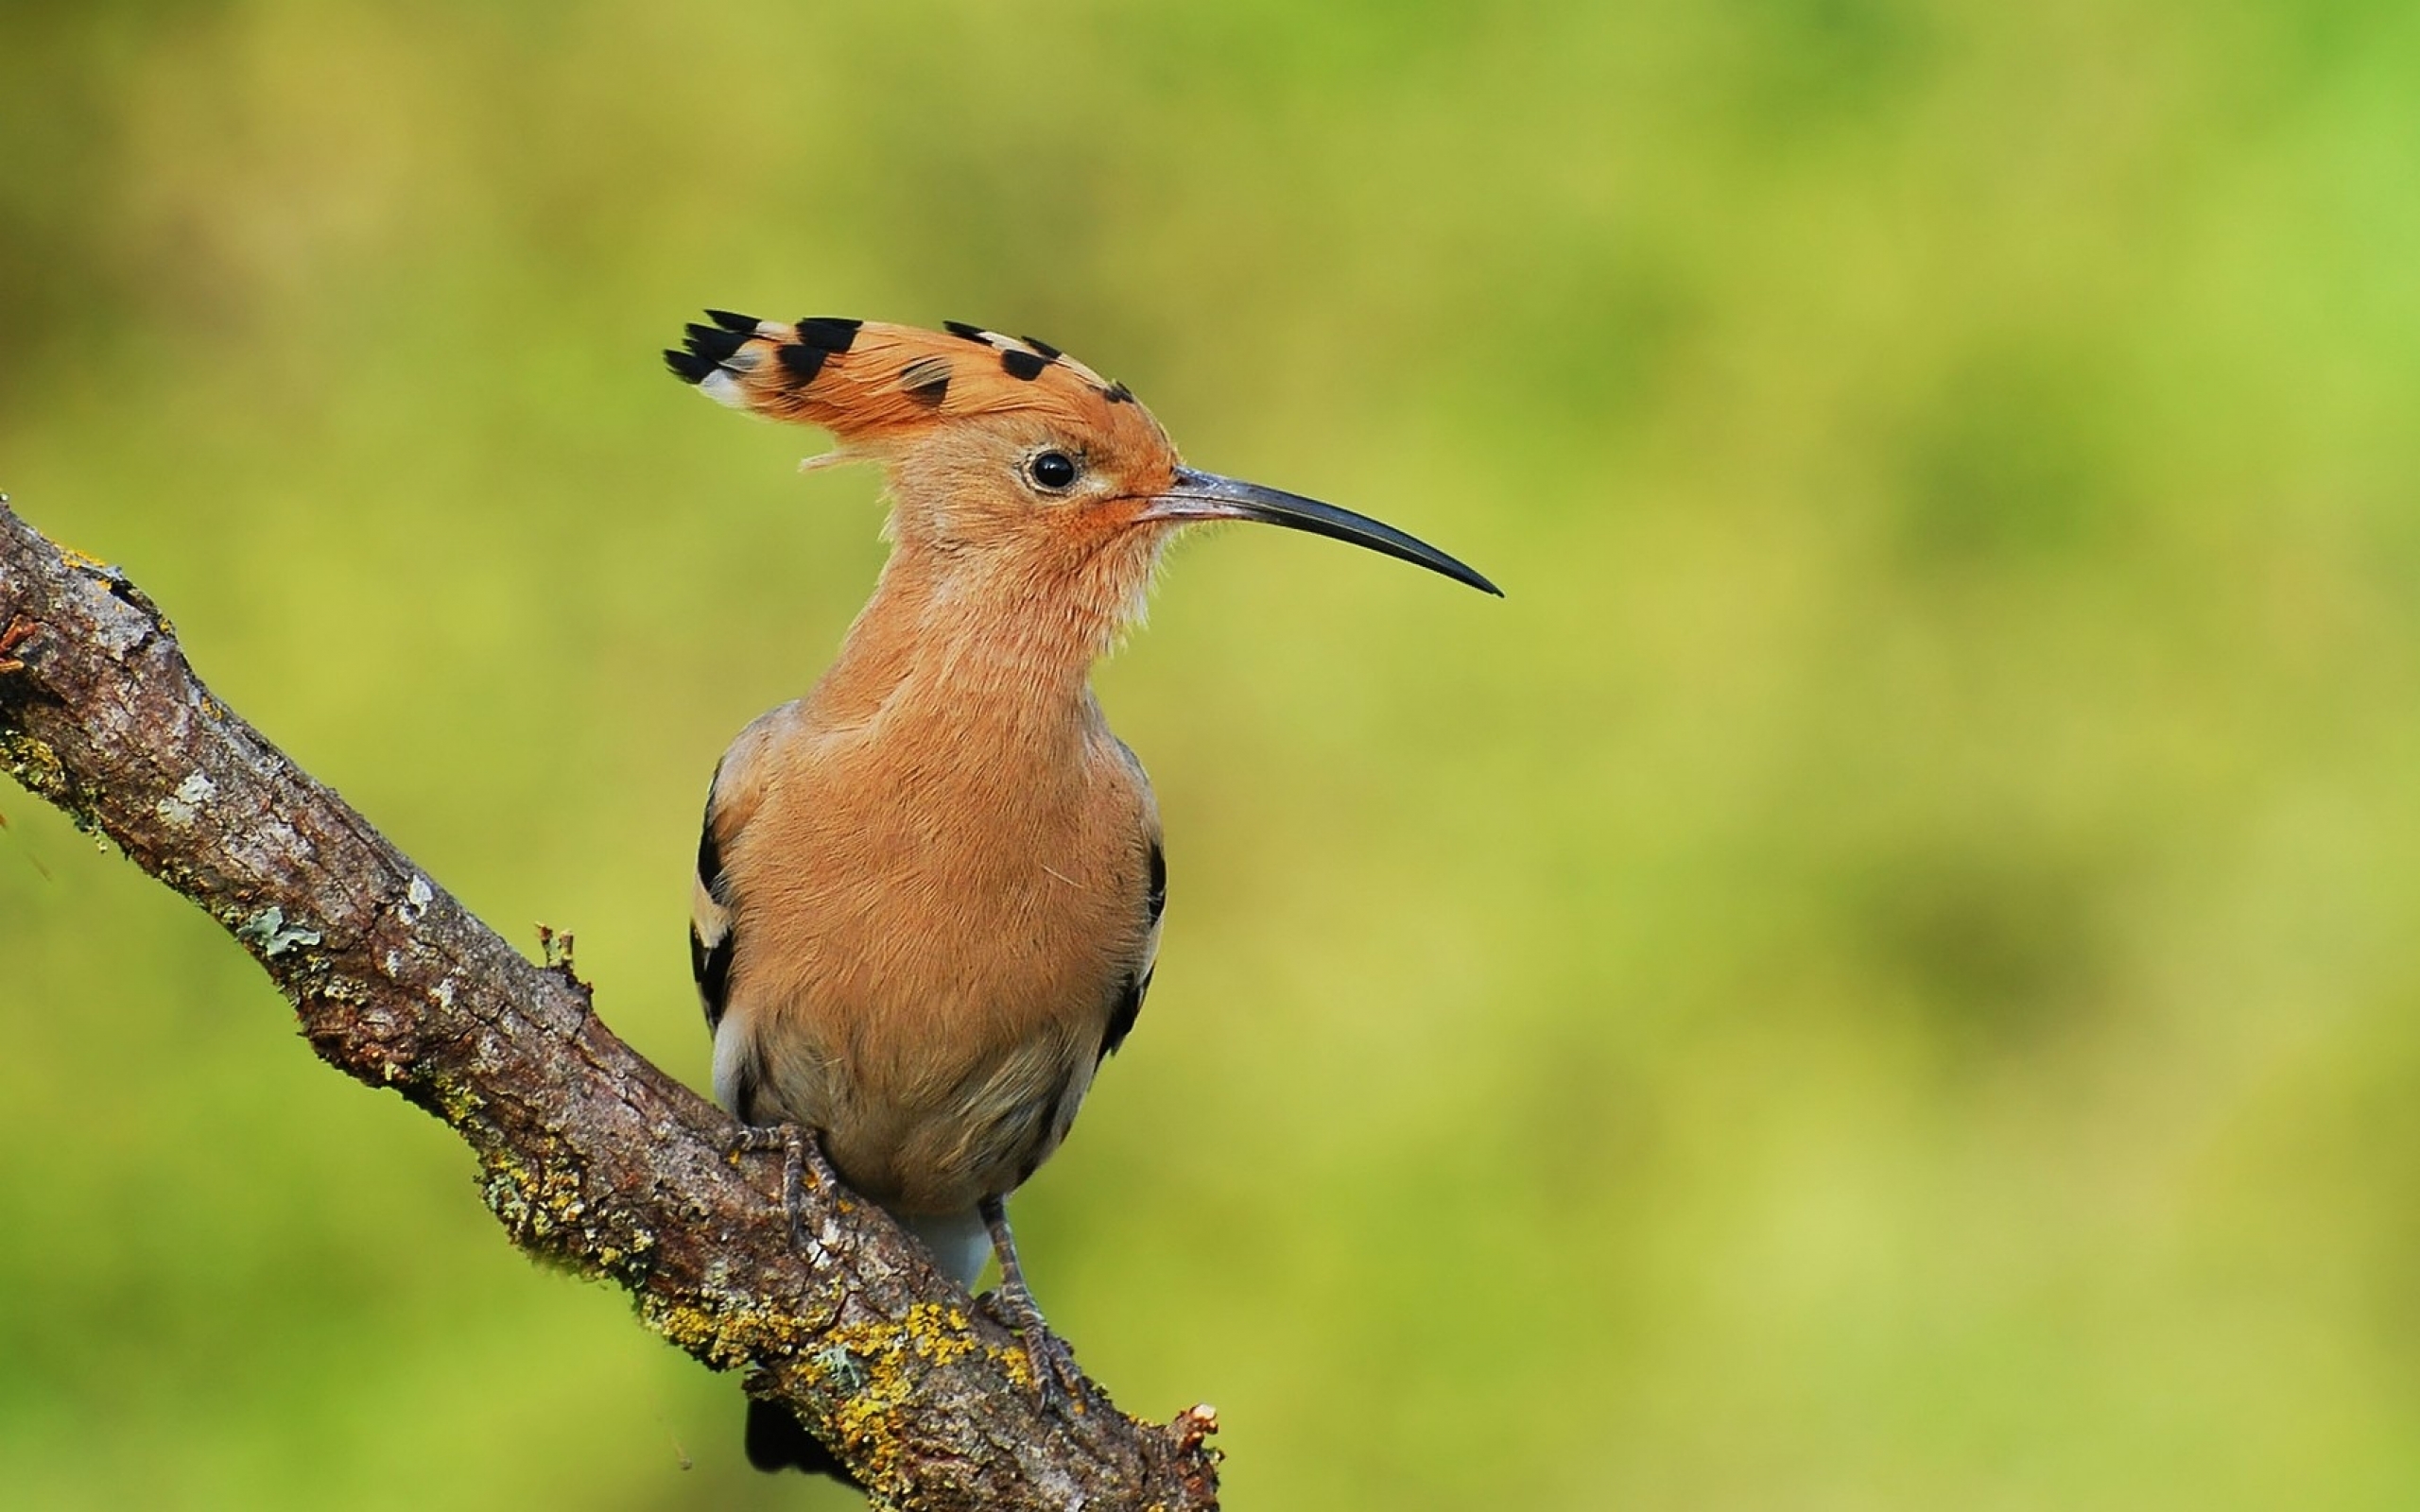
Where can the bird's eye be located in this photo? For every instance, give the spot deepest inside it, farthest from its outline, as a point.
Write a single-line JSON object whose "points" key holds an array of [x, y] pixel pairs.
{"points": [[1051, 470]]}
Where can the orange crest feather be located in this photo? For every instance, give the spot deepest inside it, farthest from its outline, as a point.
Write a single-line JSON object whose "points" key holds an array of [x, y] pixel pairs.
{"points": [[868, 380]]}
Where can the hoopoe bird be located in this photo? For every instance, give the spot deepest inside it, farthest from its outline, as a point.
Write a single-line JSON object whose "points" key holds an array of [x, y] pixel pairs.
{"points": [[929, 893]]}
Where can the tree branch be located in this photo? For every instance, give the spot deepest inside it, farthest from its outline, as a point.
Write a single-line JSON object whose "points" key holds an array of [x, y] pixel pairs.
{"points": [[589, 1155]]}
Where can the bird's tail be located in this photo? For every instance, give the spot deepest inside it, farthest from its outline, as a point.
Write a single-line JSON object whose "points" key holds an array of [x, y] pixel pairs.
{"points": [[777, 1441]]}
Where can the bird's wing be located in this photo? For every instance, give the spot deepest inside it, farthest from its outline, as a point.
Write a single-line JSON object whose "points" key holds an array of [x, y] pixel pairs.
{"points": [[710, 920], [1129, 1006], [731, 798]]}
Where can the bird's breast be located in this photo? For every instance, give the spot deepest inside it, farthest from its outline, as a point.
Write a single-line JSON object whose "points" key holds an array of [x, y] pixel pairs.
{"points": [[929, 944]]}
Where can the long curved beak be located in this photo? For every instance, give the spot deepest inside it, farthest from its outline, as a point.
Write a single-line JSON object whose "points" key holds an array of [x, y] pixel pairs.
{"points": [[1193, 495]]}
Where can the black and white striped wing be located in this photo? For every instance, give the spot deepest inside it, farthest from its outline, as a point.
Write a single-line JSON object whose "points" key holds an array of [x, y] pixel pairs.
{"points": [[1130, 1006], [714, 910], [710, 936]]}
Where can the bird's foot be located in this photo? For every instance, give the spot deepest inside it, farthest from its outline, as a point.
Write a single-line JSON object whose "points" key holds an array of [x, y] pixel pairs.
{"points": [[1055, 1379], [802, 1155]]}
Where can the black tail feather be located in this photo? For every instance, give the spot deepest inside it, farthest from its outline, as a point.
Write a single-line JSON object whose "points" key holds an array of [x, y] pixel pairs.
{"points": [[777, 1441]]}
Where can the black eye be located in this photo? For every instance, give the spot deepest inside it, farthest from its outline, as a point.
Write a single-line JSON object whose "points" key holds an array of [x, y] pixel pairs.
{"points": [[1051, 470]]}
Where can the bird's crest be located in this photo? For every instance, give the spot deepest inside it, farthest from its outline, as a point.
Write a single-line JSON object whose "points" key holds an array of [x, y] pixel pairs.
{"points": [[868, 380]]}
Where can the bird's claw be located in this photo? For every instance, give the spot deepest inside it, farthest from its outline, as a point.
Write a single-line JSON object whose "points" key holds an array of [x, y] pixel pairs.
{"points": [[802, 1153], [1057, 1378]]}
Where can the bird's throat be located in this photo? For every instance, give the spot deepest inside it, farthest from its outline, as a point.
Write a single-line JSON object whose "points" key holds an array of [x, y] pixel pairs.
{"points": [[970, 642]]}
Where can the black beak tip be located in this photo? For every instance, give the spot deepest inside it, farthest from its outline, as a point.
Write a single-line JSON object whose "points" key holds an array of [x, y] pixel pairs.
{"points": [[1462, 573]]}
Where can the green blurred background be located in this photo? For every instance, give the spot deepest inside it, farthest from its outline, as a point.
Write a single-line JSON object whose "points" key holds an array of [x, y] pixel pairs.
{"points": [[1882, 976]]}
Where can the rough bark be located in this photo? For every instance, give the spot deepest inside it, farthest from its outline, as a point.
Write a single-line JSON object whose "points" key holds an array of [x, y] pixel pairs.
{"points": [[589, 1155]]}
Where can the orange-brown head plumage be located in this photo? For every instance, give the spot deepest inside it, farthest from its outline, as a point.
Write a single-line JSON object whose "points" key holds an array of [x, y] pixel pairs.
{"points": [[999, 448], [1009, 459]]}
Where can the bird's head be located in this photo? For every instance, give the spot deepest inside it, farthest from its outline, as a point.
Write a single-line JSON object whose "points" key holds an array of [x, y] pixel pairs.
{"points": [[1004, 454]]}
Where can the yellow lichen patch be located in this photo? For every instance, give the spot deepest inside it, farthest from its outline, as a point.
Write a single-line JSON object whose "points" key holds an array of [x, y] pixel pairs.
{"points": [[718, 1337], [454, 1101], [540, 1204], [727, 1336], [34, 764], [536, 1203], [942, 1332], [876, 1367], [1019, 1365]]}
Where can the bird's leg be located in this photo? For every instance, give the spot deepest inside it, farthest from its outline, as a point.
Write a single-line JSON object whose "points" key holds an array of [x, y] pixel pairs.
{"points": [[1055, 1376], [802, 1150]]}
